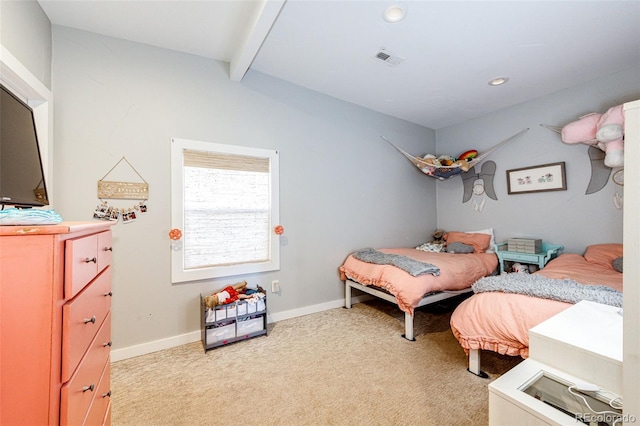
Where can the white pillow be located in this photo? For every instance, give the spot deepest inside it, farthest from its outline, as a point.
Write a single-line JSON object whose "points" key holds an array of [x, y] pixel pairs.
{"points": [[488, 231]]}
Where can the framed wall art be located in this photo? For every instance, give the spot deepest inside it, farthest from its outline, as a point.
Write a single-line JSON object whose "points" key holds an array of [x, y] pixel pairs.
{"points": [[545, 177]]}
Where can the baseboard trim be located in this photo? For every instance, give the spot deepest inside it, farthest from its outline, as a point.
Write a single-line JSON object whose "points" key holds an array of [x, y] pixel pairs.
{"points": [[154, 346], [194, 336]]}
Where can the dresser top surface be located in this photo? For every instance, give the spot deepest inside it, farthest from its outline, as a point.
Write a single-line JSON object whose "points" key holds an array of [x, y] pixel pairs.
{"points": [[59, 228]]}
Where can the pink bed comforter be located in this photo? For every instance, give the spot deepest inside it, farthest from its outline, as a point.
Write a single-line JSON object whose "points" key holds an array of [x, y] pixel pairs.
{"points": [[457, 272], [500, 322]]}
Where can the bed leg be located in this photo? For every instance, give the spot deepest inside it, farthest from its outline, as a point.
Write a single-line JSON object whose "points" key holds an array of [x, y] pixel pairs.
{"points": [[474, 364], [408, 327], [347, 295]]}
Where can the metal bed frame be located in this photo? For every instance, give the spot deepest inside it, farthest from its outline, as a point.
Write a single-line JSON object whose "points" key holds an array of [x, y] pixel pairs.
{"points": [[408, 318]]}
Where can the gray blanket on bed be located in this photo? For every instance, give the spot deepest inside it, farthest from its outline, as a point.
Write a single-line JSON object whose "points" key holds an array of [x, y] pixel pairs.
{"points": [[412, 266], [547, 288]]}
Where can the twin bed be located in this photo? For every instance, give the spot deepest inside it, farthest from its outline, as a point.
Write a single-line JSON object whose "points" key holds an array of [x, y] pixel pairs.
{"points": [[497, 321], [457, 272]]}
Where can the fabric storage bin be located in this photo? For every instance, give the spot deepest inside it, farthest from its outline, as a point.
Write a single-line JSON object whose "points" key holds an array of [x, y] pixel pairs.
{"points": [[218, 313], [250, 325], [241, 308], [221, 312], [231, 310], [211, 316], [220, 333]]}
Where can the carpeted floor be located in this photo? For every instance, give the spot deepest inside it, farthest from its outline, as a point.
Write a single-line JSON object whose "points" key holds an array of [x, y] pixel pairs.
{"points": [[338, 367]]}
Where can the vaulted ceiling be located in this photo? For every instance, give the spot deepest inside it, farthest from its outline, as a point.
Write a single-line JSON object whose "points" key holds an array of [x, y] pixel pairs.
{"points": [[439, 57]]}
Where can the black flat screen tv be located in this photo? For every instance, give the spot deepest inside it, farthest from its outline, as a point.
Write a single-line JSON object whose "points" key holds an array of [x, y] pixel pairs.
{"points": [[22, 180]]}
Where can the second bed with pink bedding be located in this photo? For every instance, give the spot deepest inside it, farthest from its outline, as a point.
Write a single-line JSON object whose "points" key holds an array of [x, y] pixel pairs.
{"points": [[500, 321]]}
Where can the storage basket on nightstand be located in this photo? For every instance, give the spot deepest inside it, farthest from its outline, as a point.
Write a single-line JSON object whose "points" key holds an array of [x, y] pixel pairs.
{"points": [[232, 322], [524, 245]]}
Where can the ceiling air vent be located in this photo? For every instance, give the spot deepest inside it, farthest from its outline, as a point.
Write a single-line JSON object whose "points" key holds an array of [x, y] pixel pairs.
{"points": [[388, 57]]}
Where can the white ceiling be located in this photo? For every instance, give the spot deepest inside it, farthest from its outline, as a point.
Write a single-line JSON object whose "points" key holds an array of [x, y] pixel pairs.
{"points": [[450, 49]]}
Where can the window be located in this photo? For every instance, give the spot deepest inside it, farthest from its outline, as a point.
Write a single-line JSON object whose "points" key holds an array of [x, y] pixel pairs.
{"points": [[225, 201]]}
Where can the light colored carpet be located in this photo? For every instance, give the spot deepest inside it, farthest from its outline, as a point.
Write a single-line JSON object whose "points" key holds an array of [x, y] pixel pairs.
{"points": [[338, 367]]}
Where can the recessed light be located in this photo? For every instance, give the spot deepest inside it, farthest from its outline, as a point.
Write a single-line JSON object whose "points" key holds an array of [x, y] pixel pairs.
{"points": [[498, 81], [394, 13]]}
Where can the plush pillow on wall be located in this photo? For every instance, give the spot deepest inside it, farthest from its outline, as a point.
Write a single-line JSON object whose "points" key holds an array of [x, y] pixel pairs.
{"points": [[488, 231], [479, 242], [603, 254]]}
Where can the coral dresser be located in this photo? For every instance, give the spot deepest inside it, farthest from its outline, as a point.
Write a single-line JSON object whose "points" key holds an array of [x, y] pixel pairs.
{"points": [[55, 323]]}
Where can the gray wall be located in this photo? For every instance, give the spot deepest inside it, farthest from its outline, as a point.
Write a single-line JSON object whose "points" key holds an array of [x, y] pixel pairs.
{"points": [[569, 217], [25, 31], [341, 186]]}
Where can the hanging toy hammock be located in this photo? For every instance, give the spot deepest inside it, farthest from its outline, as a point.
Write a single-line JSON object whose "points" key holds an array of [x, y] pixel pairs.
{"points": [[442, 172]]}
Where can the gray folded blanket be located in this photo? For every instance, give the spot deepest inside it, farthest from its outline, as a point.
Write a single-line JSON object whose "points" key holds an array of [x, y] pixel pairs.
{"points": [[412, 266], [535, 285]]}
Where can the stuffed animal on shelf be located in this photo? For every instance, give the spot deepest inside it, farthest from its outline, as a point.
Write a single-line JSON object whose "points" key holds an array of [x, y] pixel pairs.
{"points": [[227, 295], [606, 131]]}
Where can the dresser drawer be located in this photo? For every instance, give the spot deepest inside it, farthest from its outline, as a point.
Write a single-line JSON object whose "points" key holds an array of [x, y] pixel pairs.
{"points": [[77, 395], [81, 320], [85, 257], [101, 401], [104, 250]]}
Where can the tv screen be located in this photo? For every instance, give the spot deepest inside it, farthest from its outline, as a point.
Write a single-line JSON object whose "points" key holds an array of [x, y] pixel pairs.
{"points": [[22, 182]]}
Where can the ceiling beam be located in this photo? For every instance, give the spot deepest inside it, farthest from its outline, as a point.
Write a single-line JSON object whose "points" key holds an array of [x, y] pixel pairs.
{"points": [[255, 36]]}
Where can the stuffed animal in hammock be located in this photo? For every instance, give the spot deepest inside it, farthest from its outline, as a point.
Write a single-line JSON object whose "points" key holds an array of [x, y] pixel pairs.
{"points": [[227, 295]]}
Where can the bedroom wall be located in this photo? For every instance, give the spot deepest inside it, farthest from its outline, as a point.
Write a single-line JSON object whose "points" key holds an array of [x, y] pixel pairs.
{"points": [[341, 186], [569, 217], [25, 31]]}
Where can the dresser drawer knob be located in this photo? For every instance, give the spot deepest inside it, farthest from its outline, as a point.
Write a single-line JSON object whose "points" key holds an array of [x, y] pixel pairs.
{"points": [[90, 320], [94, 260], [108, 249], [88, 388], [107, 394], [106, 344], [108, 294]]}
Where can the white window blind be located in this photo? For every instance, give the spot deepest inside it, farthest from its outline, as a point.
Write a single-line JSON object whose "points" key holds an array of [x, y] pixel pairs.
{"points": [[227, 215]]}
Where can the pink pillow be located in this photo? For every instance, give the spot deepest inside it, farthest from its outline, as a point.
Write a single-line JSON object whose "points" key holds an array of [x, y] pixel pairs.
{"points": [[479, 242], [603, 254]]}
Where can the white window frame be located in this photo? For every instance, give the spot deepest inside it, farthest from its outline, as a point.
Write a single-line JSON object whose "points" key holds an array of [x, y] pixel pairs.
{"points": [[178, 271]]}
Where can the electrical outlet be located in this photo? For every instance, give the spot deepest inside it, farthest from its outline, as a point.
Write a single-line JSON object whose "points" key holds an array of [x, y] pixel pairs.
{"points": [[275, 286]]}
